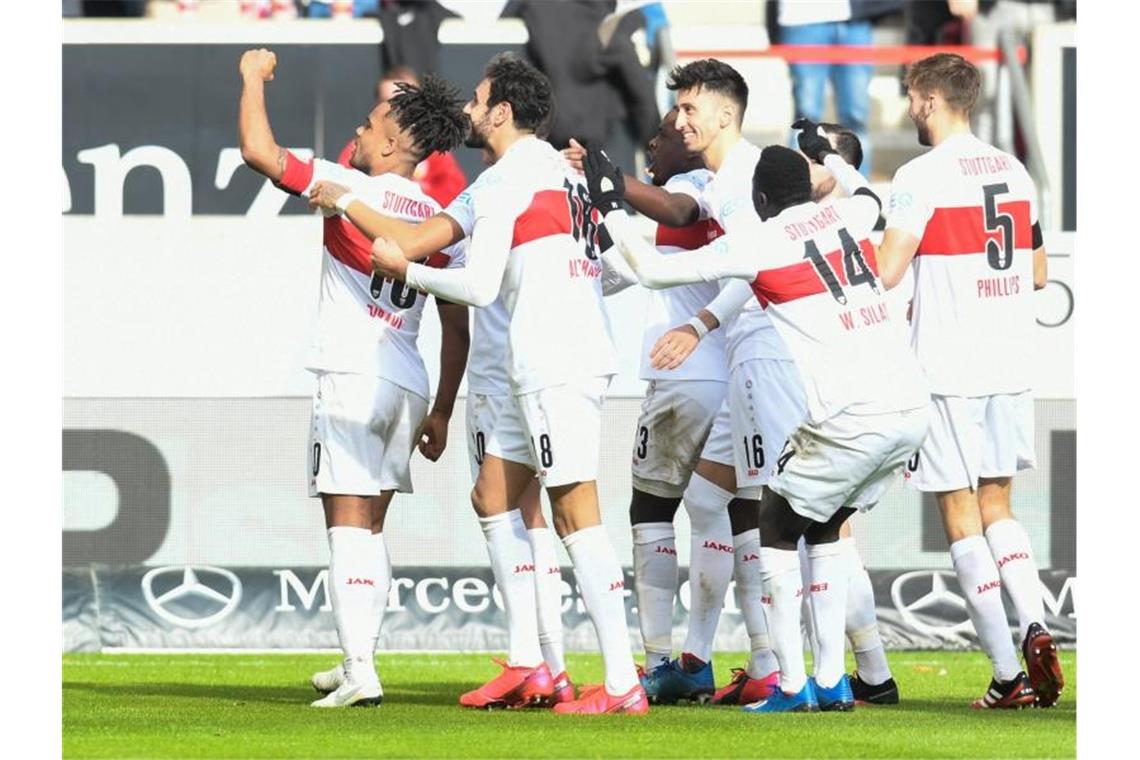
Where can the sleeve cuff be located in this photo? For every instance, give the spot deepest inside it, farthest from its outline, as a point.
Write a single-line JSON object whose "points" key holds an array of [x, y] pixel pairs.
{"points": [[298, 174]]}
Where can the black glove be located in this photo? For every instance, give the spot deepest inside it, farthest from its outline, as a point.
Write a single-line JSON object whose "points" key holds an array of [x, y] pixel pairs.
{"points": [[604, 181], [812, 144]]}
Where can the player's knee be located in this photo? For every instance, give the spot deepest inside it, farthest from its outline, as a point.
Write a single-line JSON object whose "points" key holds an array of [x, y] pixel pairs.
{"points": [[706, 503], [648, 508], [481, 502]]}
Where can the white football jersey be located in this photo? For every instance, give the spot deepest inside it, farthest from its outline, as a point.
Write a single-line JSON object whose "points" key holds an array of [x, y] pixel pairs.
{"points": [[728, 201], [487, 357], [552, 287], [974, 211], [812, 269], [366, 324], [675, 306]]}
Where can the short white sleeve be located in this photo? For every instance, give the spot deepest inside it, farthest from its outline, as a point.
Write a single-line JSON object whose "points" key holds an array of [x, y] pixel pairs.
{"points": [[909, 207], [692, 184]]}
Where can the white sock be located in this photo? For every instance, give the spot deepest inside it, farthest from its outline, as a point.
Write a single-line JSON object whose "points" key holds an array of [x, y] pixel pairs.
{"points": [[749, 598], [383, 584], [780, 572], [978, 576], [602, 584], [352, 586], [811, 639], [1009, 543], [512, 563], [710, 562], [862, 625], [548, 590], [830, 572], [655, 580]]}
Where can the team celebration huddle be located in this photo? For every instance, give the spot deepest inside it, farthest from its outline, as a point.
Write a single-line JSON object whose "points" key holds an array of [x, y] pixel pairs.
{"points": [[783, 394]]}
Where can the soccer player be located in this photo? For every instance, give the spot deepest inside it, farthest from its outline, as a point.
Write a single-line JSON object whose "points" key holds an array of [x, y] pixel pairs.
{"points": [[679, 406], [488, 392], [764, 404], [965, 214], [872, 681], [372, 386], [813, 269], [533, 241]]}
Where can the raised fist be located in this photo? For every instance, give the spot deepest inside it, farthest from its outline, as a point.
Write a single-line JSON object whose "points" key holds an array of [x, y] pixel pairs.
{"points": [[258, 63]]}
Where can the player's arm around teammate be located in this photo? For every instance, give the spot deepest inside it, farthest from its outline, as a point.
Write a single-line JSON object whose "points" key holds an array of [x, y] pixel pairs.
{"points": [[654, 201]]}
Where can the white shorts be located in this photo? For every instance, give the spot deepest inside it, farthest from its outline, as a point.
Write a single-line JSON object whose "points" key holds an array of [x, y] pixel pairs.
{"points": [[676, 416], [765, 403], [363, 432], [971, 438], [555, 431], [483, 413], [848, 461]]}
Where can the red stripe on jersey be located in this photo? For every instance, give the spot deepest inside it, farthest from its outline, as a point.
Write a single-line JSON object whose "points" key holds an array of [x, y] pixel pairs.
{"points": [[438, 260], [690, 237], [801, 279], [297, 175], [348, 245], [962, 230], [548, 214]]}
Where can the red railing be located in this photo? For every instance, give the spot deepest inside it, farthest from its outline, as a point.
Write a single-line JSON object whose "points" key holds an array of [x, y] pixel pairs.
{"points": [[878, 54]]}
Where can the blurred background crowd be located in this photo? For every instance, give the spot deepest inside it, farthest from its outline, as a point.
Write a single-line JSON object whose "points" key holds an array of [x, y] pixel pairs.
{"points": [[608, 60]]}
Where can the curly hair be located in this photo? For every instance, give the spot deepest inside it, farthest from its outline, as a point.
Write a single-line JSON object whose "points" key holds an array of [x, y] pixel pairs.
{"points": [[713, 75], [432, 113], [527, 89]]}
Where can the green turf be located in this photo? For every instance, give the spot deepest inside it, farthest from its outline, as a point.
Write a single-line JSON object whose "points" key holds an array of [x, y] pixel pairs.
{"points": [[257, 706]]}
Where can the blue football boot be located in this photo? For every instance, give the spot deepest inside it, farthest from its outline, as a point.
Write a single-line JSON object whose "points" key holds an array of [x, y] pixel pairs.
{"points": [[839, 698], [802, 701], [685, 678]]}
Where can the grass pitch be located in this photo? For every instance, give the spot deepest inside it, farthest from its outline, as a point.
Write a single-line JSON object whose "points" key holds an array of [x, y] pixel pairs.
{"points": [[258, 706]]}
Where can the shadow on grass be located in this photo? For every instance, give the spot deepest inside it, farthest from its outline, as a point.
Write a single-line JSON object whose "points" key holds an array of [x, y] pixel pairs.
{"points": [[442, 694]]}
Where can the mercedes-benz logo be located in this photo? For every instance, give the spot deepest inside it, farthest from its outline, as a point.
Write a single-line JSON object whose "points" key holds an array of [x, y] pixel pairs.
{"points": [[192, 595], [938, 596]]}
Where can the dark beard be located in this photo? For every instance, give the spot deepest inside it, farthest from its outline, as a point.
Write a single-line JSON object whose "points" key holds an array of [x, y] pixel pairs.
{"points": [[923, 133], [475, 139]]}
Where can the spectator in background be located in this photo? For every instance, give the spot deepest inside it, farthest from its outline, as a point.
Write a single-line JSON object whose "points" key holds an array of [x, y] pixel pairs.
{"points": [[332, 8], [832, 22], [597, 83], [439, 175], [107, 8], [985, 20]]}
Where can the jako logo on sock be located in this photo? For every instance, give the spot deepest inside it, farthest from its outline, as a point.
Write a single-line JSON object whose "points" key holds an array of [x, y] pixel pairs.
{"points": [[617, 585], [524, 569], [1011, 558], [989, 586], [665, 550], [718, 546], [359, 582]]}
